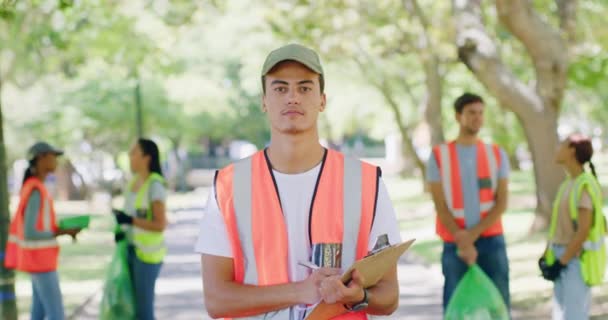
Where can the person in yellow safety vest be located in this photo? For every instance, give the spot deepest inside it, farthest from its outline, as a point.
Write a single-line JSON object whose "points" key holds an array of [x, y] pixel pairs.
{"points": [[32, 246], [267, 212], [145, 220], [575, 258]]}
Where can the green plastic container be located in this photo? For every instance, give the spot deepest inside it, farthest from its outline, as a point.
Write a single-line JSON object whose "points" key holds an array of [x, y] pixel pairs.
{"points": [[77, 222]]}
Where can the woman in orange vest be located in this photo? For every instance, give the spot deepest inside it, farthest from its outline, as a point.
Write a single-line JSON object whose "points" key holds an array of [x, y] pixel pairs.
{"points": [[32, 246]]}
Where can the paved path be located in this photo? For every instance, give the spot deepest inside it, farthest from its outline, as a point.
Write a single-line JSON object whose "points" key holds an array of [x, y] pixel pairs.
{"points": [[179, 289]]}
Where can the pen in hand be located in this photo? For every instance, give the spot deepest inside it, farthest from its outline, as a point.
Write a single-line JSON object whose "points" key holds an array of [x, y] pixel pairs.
{"points": [[309, 265]]}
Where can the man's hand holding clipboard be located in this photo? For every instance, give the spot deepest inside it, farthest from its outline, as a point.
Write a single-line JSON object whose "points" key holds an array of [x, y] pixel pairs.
{"points": [[372, 268]]}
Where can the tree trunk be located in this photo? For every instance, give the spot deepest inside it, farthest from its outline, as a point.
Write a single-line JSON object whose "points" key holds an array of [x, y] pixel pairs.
{"points": [[514, 161], [433, 82], [8, 304], [139, 116], [537, 107], [408, 144], [432, 112], [543, 141], [409, 150]]}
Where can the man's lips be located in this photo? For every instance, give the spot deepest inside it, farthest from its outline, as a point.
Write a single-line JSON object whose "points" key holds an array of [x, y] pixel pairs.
{"points": [[292, 112]]}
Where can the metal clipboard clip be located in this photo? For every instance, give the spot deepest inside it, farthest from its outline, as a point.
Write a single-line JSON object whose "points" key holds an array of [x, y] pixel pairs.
{"points": [[381, 244]]}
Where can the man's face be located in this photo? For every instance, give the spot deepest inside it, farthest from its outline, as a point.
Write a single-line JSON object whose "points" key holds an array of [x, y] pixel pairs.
{"points": [[293, 98], [471, 118]]}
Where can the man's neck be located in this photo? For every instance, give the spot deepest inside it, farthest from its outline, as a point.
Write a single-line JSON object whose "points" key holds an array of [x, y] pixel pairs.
{"points": [[292, 154], [467, 139]]}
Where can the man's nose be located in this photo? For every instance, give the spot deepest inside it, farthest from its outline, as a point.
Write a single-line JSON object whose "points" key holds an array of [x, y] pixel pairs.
{"points": [[293, 97]]}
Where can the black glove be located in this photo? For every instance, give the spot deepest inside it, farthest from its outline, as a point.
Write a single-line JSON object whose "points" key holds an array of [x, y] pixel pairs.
{"points": [[550, 272], [119, 236], [121, 217]]}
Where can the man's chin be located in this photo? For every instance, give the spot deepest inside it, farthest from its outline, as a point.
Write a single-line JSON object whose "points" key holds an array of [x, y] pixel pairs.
{"points": [[473, 132], [292, 131]]}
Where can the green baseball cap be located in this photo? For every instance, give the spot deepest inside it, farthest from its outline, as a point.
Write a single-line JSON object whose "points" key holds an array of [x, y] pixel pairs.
{"points": [[41, 148], [295, 52]]}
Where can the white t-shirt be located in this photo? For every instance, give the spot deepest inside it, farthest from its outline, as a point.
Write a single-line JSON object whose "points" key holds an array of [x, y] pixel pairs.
{"points": [[296, 192]]}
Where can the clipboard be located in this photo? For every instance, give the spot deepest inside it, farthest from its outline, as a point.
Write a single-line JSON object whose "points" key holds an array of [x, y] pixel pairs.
{"points": [[372, 268]]}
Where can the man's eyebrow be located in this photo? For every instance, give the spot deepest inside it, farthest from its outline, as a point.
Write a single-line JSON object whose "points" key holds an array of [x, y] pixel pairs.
{"points": [[306, 82], [278, 82]]}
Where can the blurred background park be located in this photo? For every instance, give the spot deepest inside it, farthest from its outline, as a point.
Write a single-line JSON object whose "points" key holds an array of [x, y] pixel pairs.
{"points": [[91, 76]]}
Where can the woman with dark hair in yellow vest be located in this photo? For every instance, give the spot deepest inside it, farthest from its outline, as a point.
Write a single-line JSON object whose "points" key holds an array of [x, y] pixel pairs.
{"points": [[575, 258], [32, 246], [145, 220]]}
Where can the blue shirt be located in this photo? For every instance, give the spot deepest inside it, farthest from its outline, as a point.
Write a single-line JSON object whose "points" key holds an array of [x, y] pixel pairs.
{"points": [[467, 159]]}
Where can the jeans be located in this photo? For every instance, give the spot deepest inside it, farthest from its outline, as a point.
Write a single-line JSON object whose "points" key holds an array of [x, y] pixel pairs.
{"points": [[571, 296], [492, 259], [46, 297], [143, 276]]}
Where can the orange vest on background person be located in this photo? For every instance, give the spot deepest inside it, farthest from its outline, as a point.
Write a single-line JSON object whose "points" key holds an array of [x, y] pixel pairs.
{"points": [[342, 211], [488, 162], [32, 255]]}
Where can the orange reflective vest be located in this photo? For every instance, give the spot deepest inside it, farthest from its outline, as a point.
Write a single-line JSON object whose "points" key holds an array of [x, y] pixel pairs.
{"points": [[342, 211], [488, 162], [32, 255]]}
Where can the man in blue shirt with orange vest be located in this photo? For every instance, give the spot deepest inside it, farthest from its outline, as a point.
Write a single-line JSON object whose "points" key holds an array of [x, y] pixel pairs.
{"points": [[469, 185]]}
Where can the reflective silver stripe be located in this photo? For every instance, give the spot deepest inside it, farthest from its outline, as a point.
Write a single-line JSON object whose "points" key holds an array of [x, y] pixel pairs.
{"points": [[141, 197], [46, 214], [241, 190], [493, 164], [446, 179], [486, 206], [458, 213], [284, 314], [33, 244], [593, 245], [352, 209]]}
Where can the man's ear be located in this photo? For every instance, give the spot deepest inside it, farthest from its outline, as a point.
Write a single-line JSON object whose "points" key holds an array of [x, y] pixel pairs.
{"points": [[323, 102]]}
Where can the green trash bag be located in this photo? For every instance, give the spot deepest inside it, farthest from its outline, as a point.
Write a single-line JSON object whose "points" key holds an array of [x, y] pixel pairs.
{"points": [[476, 298], [118, 301]]}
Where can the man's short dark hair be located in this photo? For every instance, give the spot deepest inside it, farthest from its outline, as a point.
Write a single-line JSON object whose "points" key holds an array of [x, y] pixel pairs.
{"points": [[466, 99]]}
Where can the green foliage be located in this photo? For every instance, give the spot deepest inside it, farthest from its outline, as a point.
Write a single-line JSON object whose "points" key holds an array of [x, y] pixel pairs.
{"points": [[198, 66]]}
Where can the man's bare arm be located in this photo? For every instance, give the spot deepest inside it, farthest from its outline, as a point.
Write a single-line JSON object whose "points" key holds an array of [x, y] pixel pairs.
{"points": [[500, 206], [225, 298], [443, 212]]}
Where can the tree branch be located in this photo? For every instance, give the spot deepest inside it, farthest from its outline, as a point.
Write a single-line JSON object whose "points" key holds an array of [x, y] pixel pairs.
{"points": [[479, 53], [543, 43], [404, 129], [433, 82], [567, 18]]}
